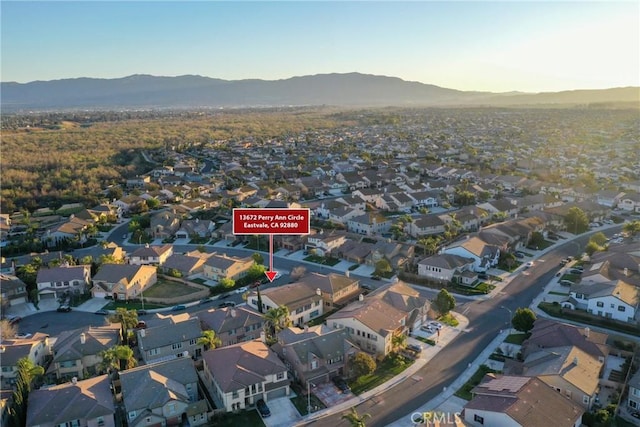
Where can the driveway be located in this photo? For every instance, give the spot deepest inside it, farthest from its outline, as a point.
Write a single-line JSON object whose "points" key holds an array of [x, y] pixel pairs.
{"points": [[283, 413]]}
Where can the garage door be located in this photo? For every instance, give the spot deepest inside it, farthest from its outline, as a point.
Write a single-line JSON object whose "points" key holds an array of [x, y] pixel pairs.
{"points": [[16, 301], [47, 296], [274, 394]]}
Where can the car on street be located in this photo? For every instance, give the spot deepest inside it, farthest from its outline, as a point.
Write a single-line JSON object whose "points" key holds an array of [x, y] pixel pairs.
{"points": [[529, 264], [63, 309], [178, 308], [241, 290], [263, 409], [366, 287], [566, 283], [227, 304], [206, 300], [341, 384], [23, 335], [141, 312], [102, 312], [13, 319], [519, 254]]}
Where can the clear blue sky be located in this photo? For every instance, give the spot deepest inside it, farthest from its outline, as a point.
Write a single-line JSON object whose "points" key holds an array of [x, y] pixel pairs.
{"points": [[495, 46]]}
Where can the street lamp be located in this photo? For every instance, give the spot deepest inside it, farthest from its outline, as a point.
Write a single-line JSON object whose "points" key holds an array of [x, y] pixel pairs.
{"points": [[510, 316]]}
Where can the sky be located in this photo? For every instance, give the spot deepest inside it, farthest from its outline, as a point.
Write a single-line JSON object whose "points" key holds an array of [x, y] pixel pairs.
{"points": [[486, 46]]}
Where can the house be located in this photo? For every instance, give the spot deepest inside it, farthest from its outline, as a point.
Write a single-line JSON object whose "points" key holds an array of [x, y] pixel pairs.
{"points": [[87, 403], [304, 302], [72, 229], [76, 353], [187, 264], [35, 348], [397, 254], [630, 202], [222, 266], [335, 289], [316, 357], [633, 398], [138, 181], [372, 321], [325, 244], [163, 394], [13, 291], [233, 325], [195, 227], [571, 371], [164, 224], [239, 375], [169, 337], [123, 281], [58, 281], [369, 224], [616, 300], [425, 225], [509, 401], [484, 255], [448, 267], [151, 255]]}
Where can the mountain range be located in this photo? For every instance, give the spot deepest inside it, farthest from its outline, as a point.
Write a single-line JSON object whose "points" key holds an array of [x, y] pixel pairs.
{"points": [[351, 89]]}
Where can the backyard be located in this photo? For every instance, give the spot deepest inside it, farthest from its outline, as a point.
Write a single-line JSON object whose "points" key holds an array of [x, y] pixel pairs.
{"points": [[387, 369], [168, 289]]}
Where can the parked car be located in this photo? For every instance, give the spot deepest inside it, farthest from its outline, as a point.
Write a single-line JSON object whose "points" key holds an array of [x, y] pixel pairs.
{"points": [[64, 309], [365, 286], [141, 324], [23, 335], [206, 300], [519, 254], [263, 409], [635, 414], [102, 312], [178, 308], [341, 384], [141, 312], [415, 348], [575, 271], [241, 290], [13, 319], [566, 283], [483, 276], [435, 325], [529, 264], [427, 328], [227, 304]]}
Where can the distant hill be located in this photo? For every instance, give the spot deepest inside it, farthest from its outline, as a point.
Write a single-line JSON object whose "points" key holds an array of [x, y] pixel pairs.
{"points": [[352, 89]]}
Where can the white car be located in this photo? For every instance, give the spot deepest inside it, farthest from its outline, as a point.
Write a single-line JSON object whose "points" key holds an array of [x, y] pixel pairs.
{"points": [[23, 335], [435, 325], [428, 329], [242, 290], [529, 264]]}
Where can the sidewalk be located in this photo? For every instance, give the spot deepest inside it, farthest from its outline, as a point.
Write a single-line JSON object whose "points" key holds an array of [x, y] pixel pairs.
{"points": [[428, 353]]}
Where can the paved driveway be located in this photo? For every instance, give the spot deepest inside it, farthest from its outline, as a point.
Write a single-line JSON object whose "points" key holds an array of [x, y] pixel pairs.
{"points": [[283, 413]]}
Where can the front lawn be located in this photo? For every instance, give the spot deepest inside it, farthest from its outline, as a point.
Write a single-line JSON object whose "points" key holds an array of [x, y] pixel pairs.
{"points": [[449, 319], [556, 310], [387, 369], [322, 260], [465, 390], [130, 305], [301, 402], [168, 289], [517, 339]]}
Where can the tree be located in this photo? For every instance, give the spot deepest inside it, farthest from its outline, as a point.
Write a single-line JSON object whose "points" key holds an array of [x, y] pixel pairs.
{"points": [[128, 319], [537, 239], [599, 238], [363, 364], [354, 419], [445, 302], [117, 358], [523, 319], [152, 203], [27, 373], [276, 319], [258, 258], [383, 267], [209, 340], [256, 271], [7, 330], [592, 247], [226, 283], [297, 272], [259, 300], [399, 341], [632, 227], [576, 220]]}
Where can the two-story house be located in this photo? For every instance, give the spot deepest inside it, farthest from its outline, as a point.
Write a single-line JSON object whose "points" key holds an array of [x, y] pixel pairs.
{"points": [[369, 224], [169, 338], [164, 224], [616, 300], [633, 398], [335, 289], [304, 303], [163, 394], [34, 348], [76, 353], [12, 290], [58, 281], [86, 403], [239, 375], [123, 281], [426, 225], [325, 244], [448, 267], [484, 255], [151, 255], [233, 325], [222, 266]]}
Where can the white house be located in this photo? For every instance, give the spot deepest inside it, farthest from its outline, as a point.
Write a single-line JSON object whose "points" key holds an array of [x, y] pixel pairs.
{"points": [[616, 300], [484, 255], [444, 267], [303, 301]]}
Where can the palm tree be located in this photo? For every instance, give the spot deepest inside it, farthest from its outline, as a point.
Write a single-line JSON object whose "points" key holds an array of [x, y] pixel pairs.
{"points": [[355, 419], [399, 341], [209, 340], [277, 319], [118, 358]]}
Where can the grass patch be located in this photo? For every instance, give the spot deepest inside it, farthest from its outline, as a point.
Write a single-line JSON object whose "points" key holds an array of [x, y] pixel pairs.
{"points": [[465, 390], [517, 339], [556, 310], [541, 245], [301, 402], [322, 260], [242, 418], [131, 305], [564, 294], [449, 319], [168, 289], [387, 369], [320, 319], [482, 289], [571, 277]]}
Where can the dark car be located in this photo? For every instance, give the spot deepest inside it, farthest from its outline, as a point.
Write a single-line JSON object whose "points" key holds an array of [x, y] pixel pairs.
{"points": [[64, 309], [635, 414], [13, 319], [178, 308], [141, 312], [575, 271], [375, 277], [141, 324], [224, 296], [263, 409], [227, 304], [341, 384], [519, 255], [102, 312], [206, 300], [414, 348]]}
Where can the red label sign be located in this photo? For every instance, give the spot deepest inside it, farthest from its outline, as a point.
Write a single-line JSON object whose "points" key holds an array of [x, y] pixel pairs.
{"points": [[271, 221]]}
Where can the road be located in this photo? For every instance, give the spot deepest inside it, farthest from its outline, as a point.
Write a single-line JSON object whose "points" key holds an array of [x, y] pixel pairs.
{"points": [[486, 318]]}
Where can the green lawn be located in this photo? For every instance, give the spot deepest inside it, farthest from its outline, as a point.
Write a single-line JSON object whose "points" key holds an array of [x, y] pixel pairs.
{"points": [[465, 390], [322, 260], [448, 319], [168, 289], [130, 305], [301, 402], [516, 338], [563, 294], [582, 316], [386, 370], [244, 418]]}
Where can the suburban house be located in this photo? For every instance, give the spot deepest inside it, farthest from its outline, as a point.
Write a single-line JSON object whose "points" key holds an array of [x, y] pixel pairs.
{"points": [[83, 403], [195, 227], [123, 281], [448, 268], [304, 303], [630, 202], [72, 228], [164, 224], [616, 300], [12, 290], [35, 348], [425, 225], [222, 266], [163, 394], [325, 244], [233, 325], [369, 224], [484, 255], [569, 370], [372, 321], [151, 255], [336, 289], [633, 398], [239, 375], [58, 281], [170, 337], [76, 353], [186, 264], [509, 401], [317, 354]]}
